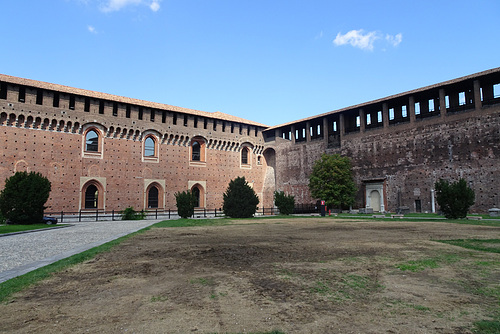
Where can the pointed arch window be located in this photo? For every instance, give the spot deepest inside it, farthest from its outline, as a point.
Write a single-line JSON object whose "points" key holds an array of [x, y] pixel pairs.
{"points": [[149, 147], [244, 156], [92, 141], [196, 151], [196, 193]]}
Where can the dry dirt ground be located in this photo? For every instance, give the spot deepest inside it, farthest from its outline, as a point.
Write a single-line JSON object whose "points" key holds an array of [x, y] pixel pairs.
{"points": [[296, 276]]}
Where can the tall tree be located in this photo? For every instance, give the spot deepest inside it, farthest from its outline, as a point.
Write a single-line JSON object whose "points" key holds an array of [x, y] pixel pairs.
{"points": [[23, 199], [454, 198], [240, 200], [331, 180]]}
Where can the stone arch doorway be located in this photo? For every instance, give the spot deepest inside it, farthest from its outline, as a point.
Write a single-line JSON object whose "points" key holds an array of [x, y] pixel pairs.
{"points": [[375, 195], [199, 195], [92, 195]]}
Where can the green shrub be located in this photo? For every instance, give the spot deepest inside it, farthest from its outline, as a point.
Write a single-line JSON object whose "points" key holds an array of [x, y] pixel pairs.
{"points": [[454, 198], [240, 200], [22, 201], [186, 202], [285, 203], [130, 214]]}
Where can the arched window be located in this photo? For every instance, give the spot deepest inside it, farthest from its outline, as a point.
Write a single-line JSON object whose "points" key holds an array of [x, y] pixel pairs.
{"points": [[196, 193], [196, 151], [153, 197], [149, 147], [92, 141], [91, 197], [244, 156]]}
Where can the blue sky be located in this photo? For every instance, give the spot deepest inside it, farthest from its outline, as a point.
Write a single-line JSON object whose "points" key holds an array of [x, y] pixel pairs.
{"points": [[268, 61]]}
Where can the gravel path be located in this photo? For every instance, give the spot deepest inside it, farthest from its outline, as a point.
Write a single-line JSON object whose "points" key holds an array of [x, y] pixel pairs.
{"points": [[22, 253]]}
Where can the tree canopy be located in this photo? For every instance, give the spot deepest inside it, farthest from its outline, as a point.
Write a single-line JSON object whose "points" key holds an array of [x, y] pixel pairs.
{"points": [[331, 180], [454, 198], [23, 198], [185, 203], [240, 200]]}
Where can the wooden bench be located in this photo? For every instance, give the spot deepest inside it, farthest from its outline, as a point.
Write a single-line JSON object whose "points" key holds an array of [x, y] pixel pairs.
{"points": [[474, 217], [398, 216]]}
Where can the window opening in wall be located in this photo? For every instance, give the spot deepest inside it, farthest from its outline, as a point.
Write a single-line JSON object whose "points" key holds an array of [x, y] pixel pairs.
{"points": [[417, 108], [185, 120], [232, 127], [22, 94], [92, 141], [174, 119], [248, 130], [205, 123], [334, 126], [39, 96], [55, 101], [163, 116], [196, 193], [91, 197], [431, 105], [101, 107], [256, 131], [496, 90], [127, 111], [72, 102], [196, 151], [319, 130], [296, 134], [303, 133], [195, 121], [461, 98], [223, 126], [3, 90], [152, 115], [481, 93], [115, 109], [153, 197], [358, 121], [244, 156], [379, 117], [404, 113], [141, 113], [241, 129], [149, 147], [447, 101], [259, 160], [368, 119], [215, 125], [391, 114], [86, 106]]}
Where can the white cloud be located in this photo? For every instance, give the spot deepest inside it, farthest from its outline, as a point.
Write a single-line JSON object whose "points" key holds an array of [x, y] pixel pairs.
{"points": [[116, 5], [394, 40], [357, 38], [155, 6], [365, 41], [91, 29]]}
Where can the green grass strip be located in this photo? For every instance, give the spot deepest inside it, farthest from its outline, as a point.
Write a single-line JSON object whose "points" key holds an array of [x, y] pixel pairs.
{"points": [[22, 282], [21, 228], [484, 245], [487, 327]]}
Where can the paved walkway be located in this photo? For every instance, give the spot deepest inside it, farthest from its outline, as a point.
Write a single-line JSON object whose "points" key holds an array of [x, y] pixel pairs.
{"points": [[22, 253]]}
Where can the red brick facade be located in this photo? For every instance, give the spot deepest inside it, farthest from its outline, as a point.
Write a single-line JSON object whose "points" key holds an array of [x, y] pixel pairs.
{"points": [[111, 152]]}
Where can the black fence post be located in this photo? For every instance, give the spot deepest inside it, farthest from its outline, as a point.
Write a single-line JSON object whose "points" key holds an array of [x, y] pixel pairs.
{"points": [[205, 212], [156, 214], [80, 215], [168, 213], [62, 215], [97, 215], [112, 215]]}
